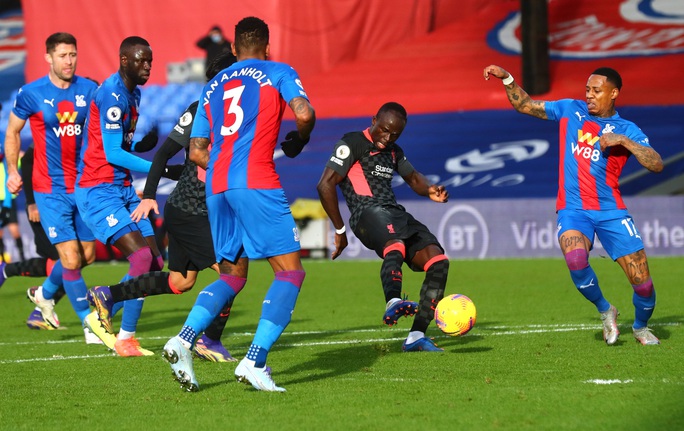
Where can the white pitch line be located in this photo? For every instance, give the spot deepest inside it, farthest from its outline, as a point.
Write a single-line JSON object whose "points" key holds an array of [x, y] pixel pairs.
{"points": [[608, 382], [497, 330]]}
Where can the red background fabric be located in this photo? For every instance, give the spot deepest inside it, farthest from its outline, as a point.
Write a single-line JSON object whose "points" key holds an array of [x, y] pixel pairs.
{"points": [[354, 55]]}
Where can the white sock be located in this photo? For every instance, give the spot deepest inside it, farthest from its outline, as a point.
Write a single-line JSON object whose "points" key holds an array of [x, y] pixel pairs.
{"points": [[124, 335], [414, 336], [391, 302]]}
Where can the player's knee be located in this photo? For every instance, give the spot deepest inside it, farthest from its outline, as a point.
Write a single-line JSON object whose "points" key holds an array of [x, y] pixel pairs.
{"points": [[437, 263], [396, 246], [140, 261], [294, 277], [577, 259], [644, 289], [179, 284]]}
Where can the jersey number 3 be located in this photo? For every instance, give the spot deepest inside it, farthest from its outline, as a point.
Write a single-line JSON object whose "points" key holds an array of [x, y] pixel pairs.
{"points": [[234, 113]]}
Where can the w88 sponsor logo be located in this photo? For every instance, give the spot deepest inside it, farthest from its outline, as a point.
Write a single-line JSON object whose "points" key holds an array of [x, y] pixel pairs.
{"points": [[67, 130], [587, 152]]}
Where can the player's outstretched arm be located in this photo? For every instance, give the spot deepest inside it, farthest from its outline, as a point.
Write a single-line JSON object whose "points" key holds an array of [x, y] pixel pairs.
{"points": [[520, 100], [646, 156], [327, 193], [420, 184]]}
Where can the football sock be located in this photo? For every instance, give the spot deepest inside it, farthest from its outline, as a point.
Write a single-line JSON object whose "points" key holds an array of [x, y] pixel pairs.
{"points": [[54, 281], [124, 335], [19, 243], [76, 290], [140, 262], [149, 284], [34, 267], [437, 271], [390, 273], [276, 312], [215, 329], [212, 299], [585, 279], [187, 336], [644, 300], [414, 336]]}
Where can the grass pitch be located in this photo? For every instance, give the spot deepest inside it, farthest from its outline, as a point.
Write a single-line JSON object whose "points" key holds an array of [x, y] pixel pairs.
{"points": [[534, 361]]}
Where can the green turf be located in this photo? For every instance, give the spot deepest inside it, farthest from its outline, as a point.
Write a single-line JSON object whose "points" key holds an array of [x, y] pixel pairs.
{"points": [[532, 362]]}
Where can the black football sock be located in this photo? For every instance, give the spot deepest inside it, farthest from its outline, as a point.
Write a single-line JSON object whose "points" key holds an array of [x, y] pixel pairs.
{"points": [[59, 294], [216, 327], [149, 284], [19, 242], [430, 294], [34, 267], [391, 276]]}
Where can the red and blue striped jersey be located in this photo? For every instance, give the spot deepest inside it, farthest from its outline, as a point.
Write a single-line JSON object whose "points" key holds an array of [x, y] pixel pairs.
{"points": [[240, 112], [113, 110], [57, 118], [588, 177]]}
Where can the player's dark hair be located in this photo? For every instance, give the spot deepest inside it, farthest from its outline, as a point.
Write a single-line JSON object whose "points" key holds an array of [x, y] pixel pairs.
{"points": [[220, 62], [56, 38], [251, 33], [611, 75], [130, 42], [392, 107]]}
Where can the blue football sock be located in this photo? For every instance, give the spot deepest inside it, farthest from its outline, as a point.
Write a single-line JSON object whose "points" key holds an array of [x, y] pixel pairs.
{"points": [[644, 300], [132, 309], [587, 283], [276, 313], [188, 335], [75, 288], [54, 281], [209, 304]]}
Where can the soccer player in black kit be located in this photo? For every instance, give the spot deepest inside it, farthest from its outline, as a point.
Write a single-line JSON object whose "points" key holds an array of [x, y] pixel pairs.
{"points": [[363, 165]]}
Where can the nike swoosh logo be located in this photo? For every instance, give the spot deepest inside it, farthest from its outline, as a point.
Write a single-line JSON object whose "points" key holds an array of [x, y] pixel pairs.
{"points": [[374, 153]]}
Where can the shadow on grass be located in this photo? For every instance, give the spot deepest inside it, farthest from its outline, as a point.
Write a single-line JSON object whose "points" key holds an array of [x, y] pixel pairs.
{"points": [[328, 363]]}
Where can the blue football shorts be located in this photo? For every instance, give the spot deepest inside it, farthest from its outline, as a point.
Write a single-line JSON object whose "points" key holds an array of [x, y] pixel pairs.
{"points": [[61, 219], [107, 208], [254, 222], [614, 228]]}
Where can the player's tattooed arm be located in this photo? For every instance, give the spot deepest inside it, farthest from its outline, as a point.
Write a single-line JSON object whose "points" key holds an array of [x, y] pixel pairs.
{"points": [[523, 103], [199, 151], [305, 116], [646, 156], [519, 99]]}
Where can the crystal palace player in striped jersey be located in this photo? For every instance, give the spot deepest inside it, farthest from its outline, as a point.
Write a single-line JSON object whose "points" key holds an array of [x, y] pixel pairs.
{"points": [[187, 225], [104, 190], [240, 110], [595, 143], [56, 106]]}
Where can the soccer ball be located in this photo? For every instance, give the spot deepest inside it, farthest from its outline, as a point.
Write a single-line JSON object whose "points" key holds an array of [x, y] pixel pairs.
{"points": [[455, 315]]}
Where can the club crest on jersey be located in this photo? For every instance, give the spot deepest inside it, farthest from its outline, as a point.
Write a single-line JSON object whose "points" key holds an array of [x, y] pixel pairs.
{"points": [[80, 100], [608, 129], [52, 232]]}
